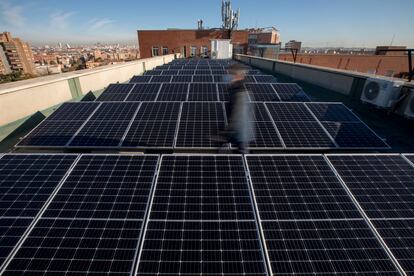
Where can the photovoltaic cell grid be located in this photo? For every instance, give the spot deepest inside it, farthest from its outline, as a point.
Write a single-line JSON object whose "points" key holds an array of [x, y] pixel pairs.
{"points": [[310, 224], [202, 92], [202, 220], [115, 92], [345, 127], [93, 224], [200, 122], [173, 92], [290, 92], [383, 185], [297, 126], [154, 126], [107, 125], [144, 92], [261, 92], [26, 183], [140, 79], [59, 128]]}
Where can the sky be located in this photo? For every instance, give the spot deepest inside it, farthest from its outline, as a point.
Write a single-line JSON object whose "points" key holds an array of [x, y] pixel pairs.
{"points": [[317, 23]]}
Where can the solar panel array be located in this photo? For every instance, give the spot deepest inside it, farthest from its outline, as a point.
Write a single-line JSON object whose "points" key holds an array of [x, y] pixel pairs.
{"points": [[172, 124], [336, 214]]}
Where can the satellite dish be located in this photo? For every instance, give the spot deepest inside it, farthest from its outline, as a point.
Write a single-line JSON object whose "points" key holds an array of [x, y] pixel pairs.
{"points": [[372, 90]]}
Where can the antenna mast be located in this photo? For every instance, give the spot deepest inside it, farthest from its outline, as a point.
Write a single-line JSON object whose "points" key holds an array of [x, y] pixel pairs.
{"points": [[229, 17]]}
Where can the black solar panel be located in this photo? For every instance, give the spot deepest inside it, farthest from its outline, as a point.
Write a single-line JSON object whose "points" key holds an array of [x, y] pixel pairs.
{"points": [[140, 79], [105, 187], [107, 126], [324, 247], [202, 92], [78, 111], [182, 78], [202, 72], [202, 220], [202, 188], [116, 92], [199, 123], [28, 180], [353, 135], [218, 71], [223, 92], [332, 112], [382, 184], [203, 78], [290, 112], [250, 79], [78, 247], [144, 92], [154, 126], [261, 92], [399, 237], [265, 79], [298, 187], [173, 92], [186, 72], [290, 92], [153, 73], [169, 72], [161, 79]]}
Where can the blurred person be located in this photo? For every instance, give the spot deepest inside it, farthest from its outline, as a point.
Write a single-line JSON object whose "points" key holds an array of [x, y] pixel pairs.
{"points": [[240, 128]]}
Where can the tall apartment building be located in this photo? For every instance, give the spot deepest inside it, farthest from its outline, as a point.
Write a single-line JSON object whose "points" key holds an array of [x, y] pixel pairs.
{"points": [[19, 55]]}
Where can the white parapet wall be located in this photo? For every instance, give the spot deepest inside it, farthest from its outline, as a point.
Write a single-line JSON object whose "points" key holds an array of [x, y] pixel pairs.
{"points": [[23, 98]]}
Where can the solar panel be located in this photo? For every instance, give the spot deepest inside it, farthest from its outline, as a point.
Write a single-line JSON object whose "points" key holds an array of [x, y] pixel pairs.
{"points": [[399, 236], [153, 73], [265, 135], [161, 79], [332, 112], [107, 126], [202, 72], [199, 122], [265, 79], [140, 79], [202, 188], [218, 71], [59, 128], [223, 93], [249, 79], [382, 184], [202, 220], [115, 92], [202, 92], [353, 135], [202, 78], [261, 92], [298, 187], [325, 247], [105, 187], [154, 126], [173, 92], [114, 192], [186, 72], [290, 92], [218, 78], [290, 112], [169, 72], [182, 78], [144, 92]]}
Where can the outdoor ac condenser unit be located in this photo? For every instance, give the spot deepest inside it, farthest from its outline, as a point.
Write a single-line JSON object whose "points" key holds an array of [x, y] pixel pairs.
{"points": [[381, 92], [409, 109]]}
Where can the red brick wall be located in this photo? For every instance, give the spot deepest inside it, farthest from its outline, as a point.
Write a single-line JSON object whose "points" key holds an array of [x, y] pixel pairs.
{"points": [[175, 40], [360, 63]]}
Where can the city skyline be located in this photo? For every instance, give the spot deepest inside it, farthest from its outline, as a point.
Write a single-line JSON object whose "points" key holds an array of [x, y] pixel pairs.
{"points": [[319, 23]]}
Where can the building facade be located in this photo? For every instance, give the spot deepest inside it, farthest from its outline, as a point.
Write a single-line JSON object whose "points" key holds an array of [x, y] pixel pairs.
{"points": [[18, 54], [189, 43]]}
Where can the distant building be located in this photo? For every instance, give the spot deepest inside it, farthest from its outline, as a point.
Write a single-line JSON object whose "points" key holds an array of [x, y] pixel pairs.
{"points": [[190, 43], [4, 64], [264, 42], [18, 54], [382, 50], [293, 44]]}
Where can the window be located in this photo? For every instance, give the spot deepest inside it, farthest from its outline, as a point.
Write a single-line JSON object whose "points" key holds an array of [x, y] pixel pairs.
{"points": [[193, 51], [164, 51], [155, 51], [204, 51]]}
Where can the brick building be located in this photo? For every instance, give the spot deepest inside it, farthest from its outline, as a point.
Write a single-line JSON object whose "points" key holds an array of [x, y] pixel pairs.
{"points": [[18, 54], [189, 43]]}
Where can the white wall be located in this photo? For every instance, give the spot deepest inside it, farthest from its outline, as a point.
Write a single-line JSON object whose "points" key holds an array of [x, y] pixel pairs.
{"points": [[23, 98]]}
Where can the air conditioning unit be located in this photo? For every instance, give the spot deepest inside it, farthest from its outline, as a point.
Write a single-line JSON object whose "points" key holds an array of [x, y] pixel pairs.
{"points": [[409, 109], [380, 92]]}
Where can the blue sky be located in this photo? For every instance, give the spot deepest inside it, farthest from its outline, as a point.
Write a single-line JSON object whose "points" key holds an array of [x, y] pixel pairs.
{"points": [[349, 23]]}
